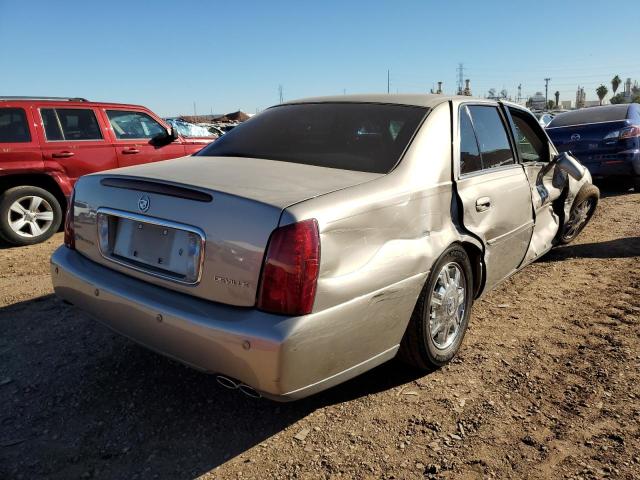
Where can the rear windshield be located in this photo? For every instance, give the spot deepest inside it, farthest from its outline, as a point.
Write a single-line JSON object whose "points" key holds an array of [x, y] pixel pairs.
{"points": [[590, 115], [351, 136]]}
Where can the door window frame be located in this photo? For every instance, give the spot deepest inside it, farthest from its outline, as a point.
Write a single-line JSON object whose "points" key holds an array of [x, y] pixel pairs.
{"points": [[456, 151], [55, 111], [132, 110], [512, 131]]}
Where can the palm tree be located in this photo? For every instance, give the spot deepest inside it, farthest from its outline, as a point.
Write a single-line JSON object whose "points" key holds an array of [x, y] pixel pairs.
{"points": [[557, 94], [601, 91], [615, 83]]}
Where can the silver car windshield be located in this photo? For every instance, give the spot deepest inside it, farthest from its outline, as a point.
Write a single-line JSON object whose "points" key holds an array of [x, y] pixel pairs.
{"points": [[364, 137]]}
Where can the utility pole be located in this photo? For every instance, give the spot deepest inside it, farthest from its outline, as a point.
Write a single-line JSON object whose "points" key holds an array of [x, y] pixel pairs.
{"points": [[195, 114], [546, 93], [281, 92], [388, 80]]}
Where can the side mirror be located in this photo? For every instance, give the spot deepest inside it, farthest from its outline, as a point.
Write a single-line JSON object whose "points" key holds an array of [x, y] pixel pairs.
{"points": [[570, 165], [165, 138]]}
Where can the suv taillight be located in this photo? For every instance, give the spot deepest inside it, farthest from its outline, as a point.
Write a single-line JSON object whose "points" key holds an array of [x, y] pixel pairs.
{"points": [[69, 233], [290, 270], [630, 132]]}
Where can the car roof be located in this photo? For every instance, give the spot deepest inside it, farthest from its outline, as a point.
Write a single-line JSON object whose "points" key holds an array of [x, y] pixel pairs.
{"points": [[72, 102], [599, 114], [416, 100]]}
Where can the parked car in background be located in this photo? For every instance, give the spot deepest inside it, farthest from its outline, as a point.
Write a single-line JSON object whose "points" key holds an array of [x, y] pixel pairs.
{"points": [[192, 131], [606, 139], [46, 144], [544, 118], [322, 237]]}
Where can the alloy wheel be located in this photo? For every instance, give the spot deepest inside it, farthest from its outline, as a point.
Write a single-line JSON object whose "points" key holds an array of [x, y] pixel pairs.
{"points": [[447, 306], [30, 216], [578, 218]]}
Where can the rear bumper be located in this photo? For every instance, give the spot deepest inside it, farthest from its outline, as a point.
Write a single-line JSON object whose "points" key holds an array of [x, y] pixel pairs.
{"points": [[622, 164], [284, 358]]}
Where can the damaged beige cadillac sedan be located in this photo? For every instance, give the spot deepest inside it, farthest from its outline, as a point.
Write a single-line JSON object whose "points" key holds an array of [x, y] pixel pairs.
{"points": [[322, 237]]}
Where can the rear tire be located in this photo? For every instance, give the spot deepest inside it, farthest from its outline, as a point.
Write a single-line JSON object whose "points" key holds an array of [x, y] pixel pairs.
{"points": [[636, 184], [583, 208], [28, 215], [441, 315]]}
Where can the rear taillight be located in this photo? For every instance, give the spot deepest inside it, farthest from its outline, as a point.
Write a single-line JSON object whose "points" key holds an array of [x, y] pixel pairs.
{"points": [[630, 132], [69, 233], [290, 270]]}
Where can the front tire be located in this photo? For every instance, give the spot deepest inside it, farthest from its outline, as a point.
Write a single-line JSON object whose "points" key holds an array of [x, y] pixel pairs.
{"points": [[583, 208], [441, 315], [28, 215]]}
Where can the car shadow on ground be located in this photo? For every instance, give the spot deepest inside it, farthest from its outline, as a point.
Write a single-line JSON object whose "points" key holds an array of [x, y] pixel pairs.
{"points": [[609, 188], [627, 247], [79, 400]]}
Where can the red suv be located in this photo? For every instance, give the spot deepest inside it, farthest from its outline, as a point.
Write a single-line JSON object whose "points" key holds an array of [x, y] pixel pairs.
{"points": [[47, 143]]}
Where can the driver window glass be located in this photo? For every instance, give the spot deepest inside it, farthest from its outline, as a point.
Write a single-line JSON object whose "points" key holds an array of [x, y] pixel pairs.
{"points": [[530, 146], [133, 125], [469, 153]]}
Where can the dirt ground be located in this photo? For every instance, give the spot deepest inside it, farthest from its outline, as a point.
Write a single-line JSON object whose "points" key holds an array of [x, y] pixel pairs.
{"points": [[547, 385]]}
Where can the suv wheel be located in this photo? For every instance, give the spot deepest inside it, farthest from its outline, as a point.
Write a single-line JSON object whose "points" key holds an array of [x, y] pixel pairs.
{"points": [[28, 215], [440, 318]]}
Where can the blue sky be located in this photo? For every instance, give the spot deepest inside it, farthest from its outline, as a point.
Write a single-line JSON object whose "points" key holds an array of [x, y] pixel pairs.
{"points": [[228, 55]]}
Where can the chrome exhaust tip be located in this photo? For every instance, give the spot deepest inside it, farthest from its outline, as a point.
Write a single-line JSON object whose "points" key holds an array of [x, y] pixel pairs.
{"points": [[231, 384], [249, 391], [226, 382]]}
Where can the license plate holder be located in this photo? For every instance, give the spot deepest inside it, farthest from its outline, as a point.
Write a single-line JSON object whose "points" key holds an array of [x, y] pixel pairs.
{"points": [[157, 247]]}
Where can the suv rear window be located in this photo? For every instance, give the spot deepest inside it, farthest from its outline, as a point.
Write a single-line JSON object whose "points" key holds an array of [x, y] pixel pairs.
{"points": [[590, 115], [13, 126], [351, 136]]}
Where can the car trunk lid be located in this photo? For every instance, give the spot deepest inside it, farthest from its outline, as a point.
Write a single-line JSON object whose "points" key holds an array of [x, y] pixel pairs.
{"points": [[148, 221], [588, 142]]}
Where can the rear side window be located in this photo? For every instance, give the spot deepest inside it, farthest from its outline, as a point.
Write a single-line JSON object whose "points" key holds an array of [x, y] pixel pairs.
{"points": [[130, 125], [469, 153], [14, 127], [70, 124], [364, 137], [495, 149], [609, 113]]}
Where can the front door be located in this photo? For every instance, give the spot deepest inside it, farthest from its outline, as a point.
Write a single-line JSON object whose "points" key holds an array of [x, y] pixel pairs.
{"points": [[493, 189], [133, 131], [535, 153]]}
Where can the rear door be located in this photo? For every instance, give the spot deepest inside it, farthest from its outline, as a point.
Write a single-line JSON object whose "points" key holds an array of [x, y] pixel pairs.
{"points": [[73, 141], [493, 188], [133, 131]]}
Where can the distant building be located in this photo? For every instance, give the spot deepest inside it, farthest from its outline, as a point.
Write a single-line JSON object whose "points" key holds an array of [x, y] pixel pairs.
{"points": [[581, 97], [467, 88], [566, 104], [538, 102], [591, 103]]}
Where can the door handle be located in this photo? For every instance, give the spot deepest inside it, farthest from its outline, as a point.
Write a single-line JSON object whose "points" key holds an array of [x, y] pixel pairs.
{"points": [[62, 154], [483, 204], [130, 150]]}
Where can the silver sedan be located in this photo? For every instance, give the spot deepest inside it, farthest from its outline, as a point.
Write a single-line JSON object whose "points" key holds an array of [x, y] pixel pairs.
{"points": [[322, 237]]}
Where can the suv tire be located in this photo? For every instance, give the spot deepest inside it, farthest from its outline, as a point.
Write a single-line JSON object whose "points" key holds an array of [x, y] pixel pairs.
{"points": [[28, 215]]}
